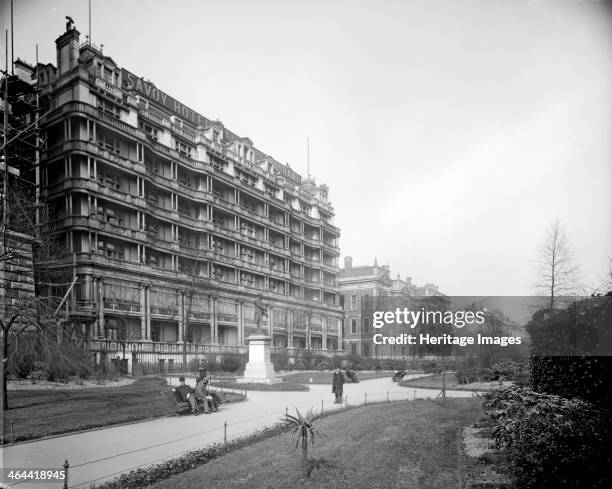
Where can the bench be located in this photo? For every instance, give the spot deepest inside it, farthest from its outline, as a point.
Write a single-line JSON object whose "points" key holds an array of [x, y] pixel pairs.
{"points": [[175, 405], [180, 407]]}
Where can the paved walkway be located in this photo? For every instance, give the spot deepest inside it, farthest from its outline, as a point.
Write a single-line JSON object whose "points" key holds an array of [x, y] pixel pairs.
{"points": [[102, 454]]}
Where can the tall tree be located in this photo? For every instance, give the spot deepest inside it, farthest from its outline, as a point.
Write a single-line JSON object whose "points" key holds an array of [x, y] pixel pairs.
{"points": [[558, 276]]}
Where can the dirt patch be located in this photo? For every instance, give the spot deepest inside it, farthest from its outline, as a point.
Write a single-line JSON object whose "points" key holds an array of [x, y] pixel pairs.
{"points": [[474, 444], [482, 461]]}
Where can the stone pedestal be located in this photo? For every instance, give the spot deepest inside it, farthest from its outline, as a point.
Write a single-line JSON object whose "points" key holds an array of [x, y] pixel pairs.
{"points": [[259, 369]]}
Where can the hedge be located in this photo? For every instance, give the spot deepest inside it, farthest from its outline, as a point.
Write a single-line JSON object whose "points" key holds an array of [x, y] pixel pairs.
{"points": [[551, 441], [564, 360]]}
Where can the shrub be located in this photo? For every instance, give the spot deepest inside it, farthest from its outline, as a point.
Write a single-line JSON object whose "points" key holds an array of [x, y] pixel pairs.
{"points": [[466, 376], [567, 351], [431, 367], [486, 375], [508, 369], [551, 441], [232, 363], [280, 361], [68, 360]]}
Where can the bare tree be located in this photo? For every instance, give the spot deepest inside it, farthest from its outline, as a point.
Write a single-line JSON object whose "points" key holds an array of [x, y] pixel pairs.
{"points": [[27, 249], [558, 276]]}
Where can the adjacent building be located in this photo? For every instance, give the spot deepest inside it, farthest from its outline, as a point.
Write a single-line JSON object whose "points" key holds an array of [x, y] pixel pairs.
{"points": [[175, 224], [368, 288]]}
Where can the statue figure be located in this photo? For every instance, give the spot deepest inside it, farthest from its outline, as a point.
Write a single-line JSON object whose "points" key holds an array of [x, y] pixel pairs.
{"points": [[69, 23], [260, 312]]}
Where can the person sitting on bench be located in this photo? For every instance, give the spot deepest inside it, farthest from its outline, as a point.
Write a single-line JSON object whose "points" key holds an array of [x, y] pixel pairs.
{"points": [[210, 400], [201, 394], [188, 394]]}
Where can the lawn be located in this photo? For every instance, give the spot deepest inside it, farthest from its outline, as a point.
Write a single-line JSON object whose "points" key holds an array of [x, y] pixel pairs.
{"points": [[325, 377], [435, 382], [38, 413], [254, 386], [386, 445]]}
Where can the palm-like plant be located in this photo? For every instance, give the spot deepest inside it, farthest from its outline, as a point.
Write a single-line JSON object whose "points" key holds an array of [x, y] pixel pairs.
{"points": [[304, 427]]}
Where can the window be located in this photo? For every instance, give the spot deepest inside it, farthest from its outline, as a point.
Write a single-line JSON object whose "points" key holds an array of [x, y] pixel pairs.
{"points": [[366, 325], [183, 149], [108, 108], [354, 301], [149, 130], [353, 325], [108, 143]]}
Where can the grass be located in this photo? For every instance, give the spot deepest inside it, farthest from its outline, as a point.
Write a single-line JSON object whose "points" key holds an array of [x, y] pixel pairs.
{"points": [[385, 445], [435, 382], [325, 377], [281, 386], [39, 413]]}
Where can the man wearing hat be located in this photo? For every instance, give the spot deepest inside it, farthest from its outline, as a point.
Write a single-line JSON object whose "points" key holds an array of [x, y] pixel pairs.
{"points": [[338, 385], [188, 394]]}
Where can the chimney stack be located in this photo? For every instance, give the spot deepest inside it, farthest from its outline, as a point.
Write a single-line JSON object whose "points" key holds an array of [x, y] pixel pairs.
{"points": [[67, 49], [348, 262]]}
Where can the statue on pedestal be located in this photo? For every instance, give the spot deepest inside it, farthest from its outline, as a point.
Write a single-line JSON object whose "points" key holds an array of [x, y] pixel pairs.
{"points": [[260, 312]]}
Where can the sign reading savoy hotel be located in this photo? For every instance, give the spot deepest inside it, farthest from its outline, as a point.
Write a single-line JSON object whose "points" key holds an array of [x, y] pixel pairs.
{"points": [[131, 82]]}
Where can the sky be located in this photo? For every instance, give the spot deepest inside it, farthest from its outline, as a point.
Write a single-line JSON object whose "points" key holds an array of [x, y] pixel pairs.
{"points": [[451, 133]]}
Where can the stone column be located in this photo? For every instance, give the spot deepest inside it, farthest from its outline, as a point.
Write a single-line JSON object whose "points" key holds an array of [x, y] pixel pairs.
{"points": [[339, 325], [101, 329], [214, 326], [148, 310], [181, 316], [324, 332], [289, 329], [239, 304], [87, 289], [143, 312]]}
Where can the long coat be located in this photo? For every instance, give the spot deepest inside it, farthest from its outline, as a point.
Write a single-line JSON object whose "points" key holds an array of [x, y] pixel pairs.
{"points": [[338, 383]]}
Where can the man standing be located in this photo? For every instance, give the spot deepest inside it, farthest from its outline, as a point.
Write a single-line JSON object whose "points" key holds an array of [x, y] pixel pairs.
{"points": [[338, 385]]}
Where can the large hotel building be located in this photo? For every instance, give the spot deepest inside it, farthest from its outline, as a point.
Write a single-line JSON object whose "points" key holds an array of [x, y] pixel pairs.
{"points": [[175, 224]]}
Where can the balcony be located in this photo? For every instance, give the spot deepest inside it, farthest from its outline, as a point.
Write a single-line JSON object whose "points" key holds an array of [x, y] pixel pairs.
{"points": [[160, 211], [108, 87], [328, 246], [121, 230], [152, 116], [123, 265], [163, 244], [183, 132], [123, 306], [168, 311], [94, 149]]}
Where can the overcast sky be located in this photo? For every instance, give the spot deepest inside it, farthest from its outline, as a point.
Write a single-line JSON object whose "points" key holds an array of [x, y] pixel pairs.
{"points": [[450, 132]]}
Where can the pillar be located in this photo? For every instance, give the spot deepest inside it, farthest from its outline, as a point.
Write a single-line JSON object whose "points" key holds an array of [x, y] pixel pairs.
{"points": [[214, 325], [148, 311], [101, 331], [87, 289], [181, 316], [289, 329], [324, 332], [240, 323], [143, 311]]}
